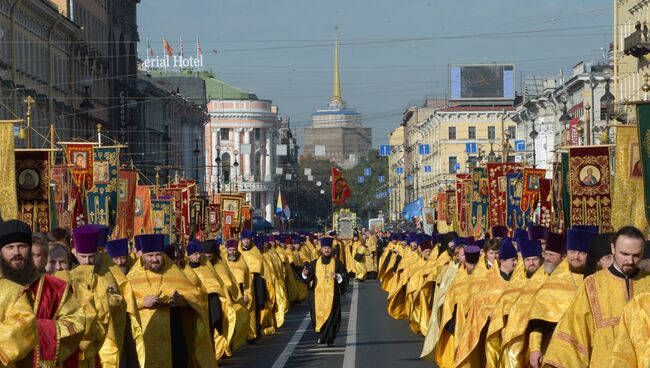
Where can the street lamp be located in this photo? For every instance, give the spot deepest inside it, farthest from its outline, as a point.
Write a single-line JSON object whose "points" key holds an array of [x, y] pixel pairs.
{"points": [[196, 153], [218, 162], [236, 166], [533, 135]]}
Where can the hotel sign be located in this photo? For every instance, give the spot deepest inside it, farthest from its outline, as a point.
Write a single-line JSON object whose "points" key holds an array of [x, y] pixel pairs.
{"points": [[173, 62]]}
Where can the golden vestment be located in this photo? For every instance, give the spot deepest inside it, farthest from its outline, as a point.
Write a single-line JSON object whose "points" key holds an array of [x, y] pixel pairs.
{"points": [[156, 321], [632, 345], [18, 332], [585, 334]]}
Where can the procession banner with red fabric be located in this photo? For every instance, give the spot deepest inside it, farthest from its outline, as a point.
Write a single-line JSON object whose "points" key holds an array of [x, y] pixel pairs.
{"points": [[530, 194], [559, 186], [452, 208], [142, 223], [183, 193], [33, 187], [213, 219], [480, 202], [340, 188], [498, 189], [60, 214], [464, 201], [545, 202], [442, 207], [590, 187], [126, 185], [77, 207], [516, 218], [80, 157]]}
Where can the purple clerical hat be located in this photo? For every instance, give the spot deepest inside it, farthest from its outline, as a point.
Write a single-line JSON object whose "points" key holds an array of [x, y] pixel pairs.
{"points": [[578, 240], [85, 239], [104, 232], [472, 254], [150, 243], [499, 231], [537, 232], [118, 248], [530, 248], [555, 243], [194, 246]]}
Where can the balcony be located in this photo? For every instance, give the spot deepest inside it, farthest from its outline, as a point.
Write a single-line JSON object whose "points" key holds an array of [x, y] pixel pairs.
{"points": [[636, 44]]}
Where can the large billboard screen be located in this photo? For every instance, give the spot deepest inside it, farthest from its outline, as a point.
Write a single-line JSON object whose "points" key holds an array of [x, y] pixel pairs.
{"points": [[482, 81]]}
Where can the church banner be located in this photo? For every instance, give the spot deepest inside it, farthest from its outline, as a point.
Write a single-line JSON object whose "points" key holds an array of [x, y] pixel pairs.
{"points": [[9, 202], [559, 193], [590, 187], [80, 157], [464, 201], [545, 202], [33, 184], [102, 198], [60, 215], [76, 206], [480, 201], [627, 208], [161, 213], [142, 223], [516, 218], [452, 209], [530, 194], [126, 185], [498, 189], [643, 124], [213, 219]]}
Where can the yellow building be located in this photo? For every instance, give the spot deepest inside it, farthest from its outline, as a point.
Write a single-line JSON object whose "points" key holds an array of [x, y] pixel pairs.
{"points": [[631, 51], [395, 177]]}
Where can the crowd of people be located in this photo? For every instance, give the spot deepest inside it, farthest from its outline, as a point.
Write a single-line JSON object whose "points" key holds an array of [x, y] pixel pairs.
{"points": [[534, 299], [82, 299]]}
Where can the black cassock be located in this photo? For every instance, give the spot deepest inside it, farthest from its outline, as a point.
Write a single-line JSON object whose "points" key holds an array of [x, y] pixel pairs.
{"points": [[331, 327]]}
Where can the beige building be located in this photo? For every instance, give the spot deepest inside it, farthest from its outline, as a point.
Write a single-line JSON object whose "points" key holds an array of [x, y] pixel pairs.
{"points": [[631, 53], [395, 175], [338, 128]]}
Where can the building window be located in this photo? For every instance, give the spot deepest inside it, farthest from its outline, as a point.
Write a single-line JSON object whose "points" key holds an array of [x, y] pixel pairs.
{"points": [[225, 134], [257, 134], [492, 132], [452, 164], [452, 132], [471, 133], [511, 132]]}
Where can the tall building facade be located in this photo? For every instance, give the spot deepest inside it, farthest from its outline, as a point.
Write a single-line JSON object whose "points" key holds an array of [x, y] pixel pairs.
{"points": [[338, 128], [240, 143]]}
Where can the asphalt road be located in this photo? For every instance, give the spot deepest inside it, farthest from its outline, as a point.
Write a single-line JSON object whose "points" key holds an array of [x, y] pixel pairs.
{"points": [[369, 337]]}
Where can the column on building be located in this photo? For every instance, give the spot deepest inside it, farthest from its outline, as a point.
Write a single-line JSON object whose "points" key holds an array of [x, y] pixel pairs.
{"points": [[237, 153], [267, 154], [247, 163], [268, 206]]}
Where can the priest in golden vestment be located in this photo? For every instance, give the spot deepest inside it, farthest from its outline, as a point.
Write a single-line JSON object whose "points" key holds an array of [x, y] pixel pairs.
{"points": [[452, 315], [418, 291], [514, 349], [632, 345], [585, 334], [29, 326], [485, 292], [386, 256], [371, 260], [531, 254], [262, 314], [172, 310], [393, 257], [556, 294], [398, 305], [213, 287], [327, 279], [237, 312]]}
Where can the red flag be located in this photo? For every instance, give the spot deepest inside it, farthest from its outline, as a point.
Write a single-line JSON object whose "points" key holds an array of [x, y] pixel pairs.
{"points": [[340, 188], [169, 51]]}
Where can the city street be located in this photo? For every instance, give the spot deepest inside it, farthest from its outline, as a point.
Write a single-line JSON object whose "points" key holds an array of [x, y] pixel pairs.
{"points": [[368, 338]]}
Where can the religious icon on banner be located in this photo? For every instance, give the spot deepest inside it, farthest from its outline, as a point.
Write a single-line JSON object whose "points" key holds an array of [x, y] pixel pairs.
{"points": [[228, 218], [80, 160], [139, 206], [122, 189], [57, 183], [533, 182], [28, 180], [589, 175], [100, 172], [81, 157], [503, 184], [636, 171], [158, 218]]}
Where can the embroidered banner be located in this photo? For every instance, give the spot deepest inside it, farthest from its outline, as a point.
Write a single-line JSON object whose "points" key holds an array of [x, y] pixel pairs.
{"points": [[126, 185], [480, 202], [498, 187], [643, 125], [627, 208], [545, 202], [142, 223], [76, 207], [80, 157], [161, 213], [589, 176], [452, 209], [102, 199], [464, 201], [213, 219], [516, 218], [8, 194], [558, 190], [60, 214], [530, 194], [33, 184]]}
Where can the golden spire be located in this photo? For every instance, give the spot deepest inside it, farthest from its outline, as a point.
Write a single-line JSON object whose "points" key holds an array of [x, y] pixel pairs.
{"points": [[336, 97]]}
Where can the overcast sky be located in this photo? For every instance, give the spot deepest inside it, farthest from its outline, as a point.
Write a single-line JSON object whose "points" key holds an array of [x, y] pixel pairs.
{"points": [[393, 53]]}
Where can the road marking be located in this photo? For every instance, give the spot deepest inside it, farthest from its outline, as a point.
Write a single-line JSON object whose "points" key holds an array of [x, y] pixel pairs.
{"points": [[350, 358], [295, 339]]}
